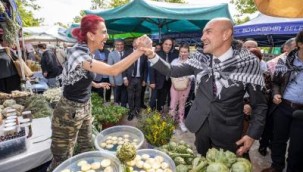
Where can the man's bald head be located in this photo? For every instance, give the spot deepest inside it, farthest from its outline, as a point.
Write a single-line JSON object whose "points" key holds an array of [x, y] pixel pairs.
{"points": [[217, 36], [250, 44], [222, 23]]}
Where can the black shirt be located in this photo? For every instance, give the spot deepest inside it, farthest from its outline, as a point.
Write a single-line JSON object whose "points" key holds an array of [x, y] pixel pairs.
{"points": [[80, 91]]}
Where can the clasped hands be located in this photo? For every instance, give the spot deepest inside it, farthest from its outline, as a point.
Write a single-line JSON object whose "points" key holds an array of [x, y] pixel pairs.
{"points": [[145, 44]]}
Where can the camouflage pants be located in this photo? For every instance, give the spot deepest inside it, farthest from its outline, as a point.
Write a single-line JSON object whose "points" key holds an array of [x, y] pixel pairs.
{"points": [[71, 122]]}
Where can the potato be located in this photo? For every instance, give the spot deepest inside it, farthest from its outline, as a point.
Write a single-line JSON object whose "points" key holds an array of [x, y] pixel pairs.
{"points": [[109, 169], [103, 145], [159, 158], [145, 156], [91, 171], [85, 167], [168, 170], [109, 146], [139, 164], [147, 166], [131, 163], [96, 165], [156, 165], [164, 165], [150, 161], [105, 163], [109, 141], [114, 138], [82, 162], [126, 136], [137, 158], [66, 170]]}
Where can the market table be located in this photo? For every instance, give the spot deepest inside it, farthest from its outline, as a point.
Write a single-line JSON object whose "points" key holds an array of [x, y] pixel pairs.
{"points": [[37, 153]]}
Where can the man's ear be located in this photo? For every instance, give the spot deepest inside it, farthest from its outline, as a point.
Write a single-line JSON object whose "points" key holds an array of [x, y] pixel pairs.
{"points": [[227, 34]]}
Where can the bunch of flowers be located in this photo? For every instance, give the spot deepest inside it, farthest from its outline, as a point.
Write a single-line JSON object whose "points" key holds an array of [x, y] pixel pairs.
{"points": [[157, 128]]}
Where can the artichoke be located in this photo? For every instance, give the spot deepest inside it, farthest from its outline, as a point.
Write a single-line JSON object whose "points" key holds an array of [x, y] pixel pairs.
{"points": [[217, 167], [230, 158], [247, 162], [179, 160], [126, 153], [240, 166], [212, 155]]}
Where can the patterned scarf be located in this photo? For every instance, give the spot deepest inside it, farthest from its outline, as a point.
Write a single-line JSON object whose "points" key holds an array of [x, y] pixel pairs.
{"points": [[243, 67], [285, 66], [72, 69]]}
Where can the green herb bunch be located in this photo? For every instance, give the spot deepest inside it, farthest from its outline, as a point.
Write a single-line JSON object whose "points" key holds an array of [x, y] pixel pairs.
{"points": [[105, 114], [157, 128]]}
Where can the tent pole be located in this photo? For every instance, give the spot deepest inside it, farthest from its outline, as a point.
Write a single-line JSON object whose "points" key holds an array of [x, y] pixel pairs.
{"points": [[23, 43], [160, 30], [20, 56]]}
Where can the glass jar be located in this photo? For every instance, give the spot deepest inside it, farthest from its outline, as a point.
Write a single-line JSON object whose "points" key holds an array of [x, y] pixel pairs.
{"points": [[25, 122], [27, 114]]}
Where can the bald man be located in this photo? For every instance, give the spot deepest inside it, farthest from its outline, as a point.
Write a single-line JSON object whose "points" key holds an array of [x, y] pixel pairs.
{"points": [[223, 76], [250, 44]]}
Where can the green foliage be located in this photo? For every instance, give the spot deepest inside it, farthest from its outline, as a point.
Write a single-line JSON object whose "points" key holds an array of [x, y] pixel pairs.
{"points": [[110, 114], [243, 20], [157, 128], [174, 1], [99, 4], [117, 3], [77, 19], [245, 6], [25, 8]]}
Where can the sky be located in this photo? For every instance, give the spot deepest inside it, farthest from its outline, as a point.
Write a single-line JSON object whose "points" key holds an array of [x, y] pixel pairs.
{"points": [[65, 10]]}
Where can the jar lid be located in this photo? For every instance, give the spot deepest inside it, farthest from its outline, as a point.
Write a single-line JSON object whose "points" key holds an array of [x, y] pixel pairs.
{"points": [[10, 110], [24, 120], [11, 114], [9, 124], [28, 112], [11, 117], [9, 128], [10, 121]]}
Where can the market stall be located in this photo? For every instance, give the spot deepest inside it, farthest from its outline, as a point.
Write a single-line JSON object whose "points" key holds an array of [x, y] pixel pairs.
{"points": [[38, 149]]}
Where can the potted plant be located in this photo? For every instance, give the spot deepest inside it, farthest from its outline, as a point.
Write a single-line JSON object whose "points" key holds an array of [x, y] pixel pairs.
{"points": [[106, 115], [157, 128]]}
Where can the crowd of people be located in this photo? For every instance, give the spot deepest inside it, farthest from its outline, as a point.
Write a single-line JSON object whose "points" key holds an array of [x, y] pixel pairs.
{"points": [[235, 96]]}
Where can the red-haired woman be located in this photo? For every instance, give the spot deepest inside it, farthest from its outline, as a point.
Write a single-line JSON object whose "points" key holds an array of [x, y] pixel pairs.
{"points": [[72, 116]]}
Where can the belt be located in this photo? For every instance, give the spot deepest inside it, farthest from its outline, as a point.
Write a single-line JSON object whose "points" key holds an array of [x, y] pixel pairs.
{"points": [[293, 105]]}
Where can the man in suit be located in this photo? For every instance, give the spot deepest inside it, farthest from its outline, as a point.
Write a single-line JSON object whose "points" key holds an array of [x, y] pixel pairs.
{"points": [[102, 55], [120, 92], [134, 78], [222, 78], [159, 81]]}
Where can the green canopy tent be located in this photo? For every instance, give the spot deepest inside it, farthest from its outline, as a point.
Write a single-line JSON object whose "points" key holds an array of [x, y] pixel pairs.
{"points": [[159, 17], [112, 34]]}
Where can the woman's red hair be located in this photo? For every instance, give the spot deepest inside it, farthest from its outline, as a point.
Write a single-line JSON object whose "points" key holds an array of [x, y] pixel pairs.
{"points": [[257, 53], [89, 23]]}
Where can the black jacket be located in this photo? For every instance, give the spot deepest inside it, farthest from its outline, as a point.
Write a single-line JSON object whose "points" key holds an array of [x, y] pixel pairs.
{"points": [[50, 64], [155, 76]]}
